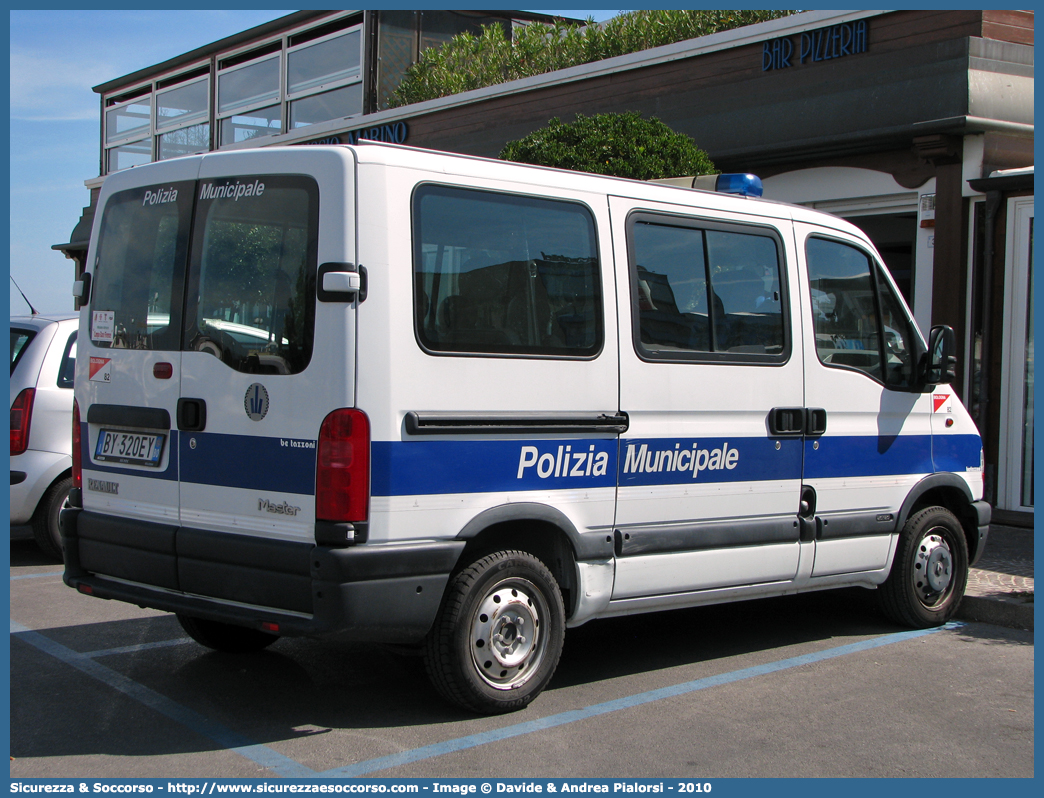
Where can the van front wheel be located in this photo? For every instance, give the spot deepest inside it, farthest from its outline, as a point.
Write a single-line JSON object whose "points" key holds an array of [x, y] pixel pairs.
{"points": [[225, 636], [929, 572], [499, 634]]}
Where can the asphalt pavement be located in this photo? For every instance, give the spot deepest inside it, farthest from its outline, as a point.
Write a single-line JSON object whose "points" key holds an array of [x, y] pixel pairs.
{"points": [[1000, 586]]}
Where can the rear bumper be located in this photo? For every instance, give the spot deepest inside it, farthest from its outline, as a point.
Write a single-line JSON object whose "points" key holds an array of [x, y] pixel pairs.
{"points": [[368, 592], [32, 473]]}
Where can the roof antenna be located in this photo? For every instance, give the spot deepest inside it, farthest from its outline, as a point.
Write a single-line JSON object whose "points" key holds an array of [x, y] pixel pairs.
{"points": [[20, 291]]}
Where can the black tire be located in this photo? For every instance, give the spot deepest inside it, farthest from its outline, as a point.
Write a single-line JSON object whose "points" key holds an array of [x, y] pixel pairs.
{"points": [[498, 636], [929, 572], [225, 636], [45, 519]]}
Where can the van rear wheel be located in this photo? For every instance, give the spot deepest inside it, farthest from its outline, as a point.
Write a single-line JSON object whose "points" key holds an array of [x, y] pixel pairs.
{"points": [[225, 636], [929, 572], [498, 635]]}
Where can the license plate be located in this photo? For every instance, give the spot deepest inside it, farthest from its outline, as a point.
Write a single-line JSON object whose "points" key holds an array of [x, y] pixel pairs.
{"points": [[136, 448]]}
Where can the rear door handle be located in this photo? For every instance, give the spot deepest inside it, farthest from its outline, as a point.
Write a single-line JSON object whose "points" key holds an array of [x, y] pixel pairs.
{"points": [[795, 421], [815, 420], [786, 421], [192, 415]]}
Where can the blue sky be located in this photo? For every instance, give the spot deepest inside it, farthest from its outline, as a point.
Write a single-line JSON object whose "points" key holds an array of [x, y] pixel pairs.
{"points": [[55, 131]]}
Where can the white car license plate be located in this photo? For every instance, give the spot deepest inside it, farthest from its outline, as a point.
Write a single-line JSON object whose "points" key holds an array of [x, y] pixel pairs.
{"points": [[137, 448]]}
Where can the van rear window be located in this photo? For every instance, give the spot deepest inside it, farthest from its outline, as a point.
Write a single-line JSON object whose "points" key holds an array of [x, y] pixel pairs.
{"points": [[251, 285], [505, 274], [136, 299]]}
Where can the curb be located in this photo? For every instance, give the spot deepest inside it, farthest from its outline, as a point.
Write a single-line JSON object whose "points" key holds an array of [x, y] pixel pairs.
{"points": [[1009, 611]]}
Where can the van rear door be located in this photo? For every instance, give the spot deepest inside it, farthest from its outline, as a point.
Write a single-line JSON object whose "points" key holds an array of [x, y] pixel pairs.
{"points": [[129, 360], [257, 377]]}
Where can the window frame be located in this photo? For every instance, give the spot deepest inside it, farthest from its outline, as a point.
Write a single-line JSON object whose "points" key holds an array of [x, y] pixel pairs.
{"points": [[267, 102], [415, 244], [192, 118], [150, 92], [289, 95], [702, 223], [879, 273], [114, 139]]}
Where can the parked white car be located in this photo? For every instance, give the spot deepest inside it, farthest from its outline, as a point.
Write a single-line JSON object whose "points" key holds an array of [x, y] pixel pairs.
{"points": [[43, 361]]}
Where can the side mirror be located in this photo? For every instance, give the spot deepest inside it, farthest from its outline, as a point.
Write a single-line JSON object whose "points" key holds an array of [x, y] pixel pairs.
{"points": [[942, 362]]}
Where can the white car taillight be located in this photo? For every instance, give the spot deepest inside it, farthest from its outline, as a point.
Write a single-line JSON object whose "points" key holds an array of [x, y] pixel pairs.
{"points": [[21, 417]]}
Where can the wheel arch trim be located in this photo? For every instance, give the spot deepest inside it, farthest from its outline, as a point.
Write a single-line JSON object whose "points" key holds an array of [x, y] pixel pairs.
{"points": [[974, 516], [931, 482], [585, 546]]}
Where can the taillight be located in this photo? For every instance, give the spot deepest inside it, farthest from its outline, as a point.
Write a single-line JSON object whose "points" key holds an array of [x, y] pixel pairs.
{"points": [[342, 474], [77, 465], [21, 416]]}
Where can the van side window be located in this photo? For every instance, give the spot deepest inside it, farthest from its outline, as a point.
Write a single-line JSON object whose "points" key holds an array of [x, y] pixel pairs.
{"points": [[504, 274], [251, 284], [705, 293], [858, 319], [136, 298]]}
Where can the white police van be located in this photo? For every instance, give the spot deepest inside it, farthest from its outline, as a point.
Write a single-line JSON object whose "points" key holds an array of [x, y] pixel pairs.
{"points": [[410, 397]]}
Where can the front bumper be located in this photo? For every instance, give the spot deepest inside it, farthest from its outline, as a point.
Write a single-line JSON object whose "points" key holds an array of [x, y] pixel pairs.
{"points": [[983, 514], [367, 592]]}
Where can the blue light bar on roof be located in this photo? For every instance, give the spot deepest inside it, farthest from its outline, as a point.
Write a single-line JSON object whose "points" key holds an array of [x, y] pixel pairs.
{"points": [[744, 185]]}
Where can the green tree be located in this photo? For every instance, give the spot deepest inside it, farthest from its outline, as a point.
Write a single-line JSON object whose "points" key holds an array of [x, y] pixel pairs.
{"points": [[471, 62], [624, 145]]}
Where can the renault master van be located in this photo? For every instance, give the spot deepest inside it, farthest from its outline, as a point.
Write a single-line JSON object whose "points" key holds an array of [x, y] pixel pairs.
{"points": [[408, 397]]}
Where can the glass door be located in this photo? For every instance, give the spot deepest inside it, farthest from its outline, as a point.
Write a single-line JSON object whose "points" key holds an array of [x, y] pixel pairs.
{"points": [[1016, 477]]}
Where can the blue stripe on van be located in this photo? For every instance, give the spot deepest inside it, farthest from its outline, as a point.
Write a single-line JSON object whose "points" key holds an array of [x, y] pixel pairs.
{"points": [[957, 453], [674, 461], [410, 468], [426, 467], [868, 456], [283, 465]]}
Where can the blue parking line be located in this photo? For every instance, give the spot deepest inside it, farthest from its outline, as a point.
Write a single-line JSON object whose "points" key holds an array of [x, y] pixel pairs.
{"points": [[561, 719], [36, 576], [286, 767], [138, 647], [226, 738]]}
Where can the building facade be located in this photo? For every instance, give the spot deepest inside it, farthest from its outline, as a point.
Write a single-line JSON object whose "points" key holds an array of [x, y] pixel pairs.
{"points": [[907, 123]]}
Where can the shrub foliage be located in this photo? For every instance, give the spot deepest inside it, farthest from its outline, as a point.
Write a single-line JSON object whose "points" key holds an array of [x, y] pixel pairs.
{"points": [[471, 62], [624, 145]]}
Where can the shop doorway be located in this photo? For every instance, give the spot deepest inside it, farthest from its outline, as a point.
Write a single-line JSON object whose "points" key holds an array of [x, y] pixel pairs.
{"points": [[1015, 484]]}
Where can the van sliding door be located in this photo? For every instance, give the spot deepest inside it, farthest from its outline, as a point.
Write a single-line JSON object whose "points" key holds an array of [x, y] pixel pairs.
{"points": [[708, 494]]}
